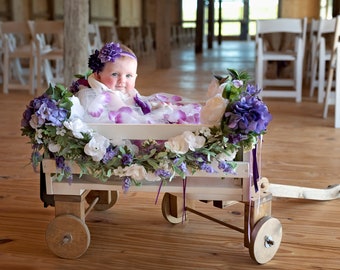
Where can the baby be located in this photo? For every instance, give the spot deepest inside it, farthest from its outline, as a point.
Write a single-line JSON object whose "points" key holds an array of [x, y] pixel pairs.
{"points": [[109, 94]]}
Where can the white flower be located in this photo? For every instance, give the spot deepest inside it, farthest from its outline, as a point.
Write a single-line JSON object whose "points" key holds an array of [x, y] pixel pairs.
{"points": [[182, 143], [77, 127], [34, 122], [77, 111], [177, 145], [60, 131], [213, 110], [38, 136], [229, 156], [150, 176], [96, 147], [54, 147], [205, 131], [136, 172], [193, 141], [238, 83]]}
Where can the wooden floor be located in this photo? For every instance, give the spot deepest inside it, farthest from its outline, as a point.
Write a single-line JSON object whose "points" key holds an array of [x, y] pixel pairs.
{"points": [[301, 148]]}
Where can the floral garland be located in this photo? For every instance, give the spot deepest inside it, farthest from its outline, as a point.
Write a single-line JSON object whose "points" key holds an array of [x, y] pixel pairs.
{"points": [[53, 124]]}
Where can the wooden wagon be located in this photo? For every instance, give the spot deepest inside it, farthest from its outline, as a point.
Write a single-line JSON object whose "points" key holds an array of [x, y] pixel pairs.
{"points": [[68, 236]]}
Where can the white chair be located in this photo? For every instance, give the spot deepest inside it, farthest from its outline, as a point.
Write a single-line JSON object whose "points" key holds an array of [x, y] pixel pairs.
{"points": [[148, 40], [337, 90], [18, 56], [114, 34], [266, 53], [322, 54], [95, 40], [135, 40], [333, 64], [48, 40], [311, 47]]}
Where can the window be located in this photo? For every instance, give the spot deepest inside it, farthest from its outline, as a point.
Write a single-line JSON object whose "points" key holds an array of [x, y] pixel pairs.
{"points": [[232, 14]]}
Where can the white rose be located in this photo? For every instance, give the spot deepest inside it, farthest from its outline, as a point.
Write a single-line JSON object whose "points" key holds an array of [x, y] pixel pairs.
{"points": [[54, 147], [193, 140], [182, 143], [213, 110], [229, 156], [77, 127], [96, 147], [136, 172], [177, 145]]}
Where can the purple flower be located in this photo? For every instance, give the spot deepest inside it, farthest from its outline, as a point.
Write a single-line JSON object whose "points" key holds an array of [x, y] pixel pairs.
{"points": [[143, 105], [235, 138], [110, 154], [252, 90], [207, 168], [127, 159], [180, 165], [163, 173], [26, 117], [225, 167], [60, 162], [200, 157], [95, 63], [75, 86], [249, 114], [126, 184], [110, 52]]}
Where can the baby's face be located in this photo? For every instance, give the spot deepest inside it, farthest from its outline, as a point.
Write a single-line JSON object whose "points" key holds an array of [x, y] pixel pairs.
{"points": [[119, 75]]}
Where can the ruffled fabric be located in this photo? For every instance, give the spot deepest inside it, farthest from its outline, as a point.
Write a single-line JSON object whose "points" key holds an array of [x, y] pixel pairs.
{"points": [[102, 104]]}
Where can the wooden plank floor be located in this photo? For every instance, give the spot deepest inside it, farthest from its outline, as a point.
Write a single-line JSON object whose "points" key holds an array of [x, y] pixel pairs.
{"points": [[300, 149]]}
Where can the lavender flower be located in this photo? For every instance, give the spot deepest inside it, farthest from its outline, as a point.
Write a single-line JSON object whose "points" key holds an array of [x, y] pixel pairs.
{"points": [[252, 90], [206, 167], [126, 184], [111, 152], [180, 165], [249, 114], [163, 173], [226, 167]]}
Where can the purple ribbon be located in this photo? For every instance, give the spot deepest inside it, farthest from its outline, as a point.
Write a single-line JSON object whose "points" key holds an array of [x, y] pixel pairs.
{"points": [[255, 169]]}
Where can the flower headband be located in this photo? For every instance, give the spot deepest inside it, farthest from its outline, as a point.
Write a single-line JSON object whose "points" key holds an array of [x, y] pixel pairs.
{"points": [[109, 53]]}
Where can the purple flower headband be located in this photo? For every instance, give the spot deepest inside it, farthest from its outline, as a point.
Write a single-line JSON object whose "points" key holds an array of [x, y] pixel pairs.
{"points": [[109, 53]]}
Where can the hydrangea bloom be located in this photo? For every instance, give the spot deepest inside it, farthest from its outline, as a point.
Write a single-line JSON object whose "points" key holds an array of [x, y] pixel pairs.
{"points": [[249, 114]]}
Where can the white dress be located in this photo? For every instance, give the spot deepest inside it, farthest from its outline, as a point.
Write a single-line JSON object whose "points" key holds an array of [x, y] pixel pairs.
{"points": [[102, 104]]}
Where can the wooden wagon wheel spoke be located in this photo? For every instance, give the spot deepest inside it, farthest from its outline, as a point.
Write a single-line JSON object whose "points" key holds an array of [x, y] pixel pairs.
{"points": [[107, 199]]}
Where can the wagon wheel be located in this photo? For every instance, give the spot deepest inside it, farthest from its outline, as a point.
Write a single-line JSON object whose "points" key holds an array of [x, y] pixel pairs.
{"points": [[265, 239], [67, 236], [170, 209], [107, 199]]}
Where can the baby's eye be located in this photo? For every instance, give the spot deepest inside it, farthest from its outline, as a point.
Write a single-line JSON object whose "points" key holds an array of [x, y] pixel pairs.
{"points": [[129, 76], [115, 74]]}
